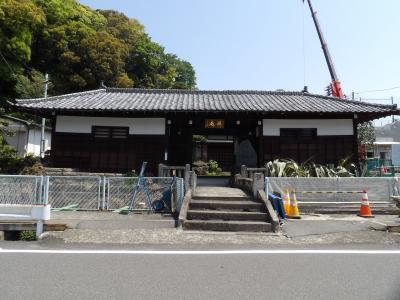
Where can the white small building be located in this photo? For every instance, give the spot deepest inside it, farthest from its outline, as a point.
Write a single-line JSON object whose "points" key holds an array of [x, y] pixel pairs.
{"points": [[26, 136], [385, 148]]}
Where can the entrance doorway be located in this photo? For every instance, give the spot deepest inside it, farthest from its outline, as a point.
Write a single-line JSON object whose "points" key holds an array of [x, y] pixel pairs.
{"points": [[216, 148]]}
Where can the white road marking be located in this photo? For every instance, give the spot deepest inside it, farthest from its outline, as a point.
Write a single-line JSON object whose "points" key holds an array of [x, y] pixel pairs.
{"points": [[200, 252]]}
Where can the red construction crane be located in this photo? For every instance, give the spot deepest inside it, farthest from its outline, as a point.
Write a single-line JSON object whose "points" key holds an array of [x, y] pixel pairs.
{"points": [[335, 86]]}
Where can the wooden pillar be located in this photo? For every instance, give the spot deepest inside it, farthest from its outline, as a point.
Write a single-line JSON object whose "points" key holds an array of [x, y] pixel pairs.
{"points": [[355, 141]]}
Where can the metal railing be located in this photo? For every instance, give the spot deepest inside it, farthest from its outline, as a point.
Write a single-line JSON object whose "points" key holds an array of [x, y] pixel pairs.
{"points": [[338, 189], [21, 189]]}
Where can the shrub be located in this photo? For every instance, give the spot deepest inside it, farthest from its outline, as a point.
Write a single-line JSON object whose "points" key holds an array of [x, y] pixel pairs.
{"points": [[36, 169], [289, 168], [200, 167], [27, 235], [130, 174]]}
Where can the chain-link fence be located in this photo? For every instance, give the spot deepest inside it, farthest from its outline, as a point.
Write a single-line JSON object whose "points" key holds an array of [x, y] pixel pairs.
{"points": [[74, 192], [21, 189], [92, 192], [340, 189], [159, 191]]}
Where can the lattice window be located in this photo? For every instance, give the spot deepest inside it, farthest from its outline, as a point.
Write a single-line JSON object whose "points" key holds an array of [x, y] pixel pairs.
{"points": [[110, 132]]}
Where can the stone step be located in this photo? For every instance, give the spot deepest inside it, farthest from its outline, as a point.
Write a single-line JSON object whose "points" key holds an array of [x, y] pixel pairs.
{"points": [[226, 215], [225, 205], [223, 198], [213, 225]]}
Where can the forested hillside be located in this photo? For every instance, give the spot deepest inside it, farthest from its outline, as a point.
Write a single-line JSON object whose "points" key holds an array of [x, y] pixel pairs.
{"points": [[79, 47]]}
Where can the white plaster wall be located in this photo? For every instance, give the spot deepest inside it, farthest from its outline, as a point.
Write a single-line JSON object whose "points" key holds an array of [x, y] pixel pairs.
{"points": [[396, 155], [271, 127], [18, 141], [33, 146], [34, 138], [75, 124], [47, 137]]}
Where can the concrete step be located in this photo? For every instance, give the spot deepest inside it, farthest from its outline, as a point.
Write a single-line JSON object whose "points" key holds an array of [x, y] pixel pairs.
{"points": [[225, 205], [213, 225], [223, 198], [226, 215]]}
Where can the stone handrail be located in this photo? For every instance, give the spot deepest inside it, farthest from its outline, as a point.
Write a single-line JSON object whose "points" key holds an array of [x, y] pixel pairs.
{"points": [[185, 206], [178, 171], [255, 186], [272, 216], [169, 171], [251, 185], [249, 172]]}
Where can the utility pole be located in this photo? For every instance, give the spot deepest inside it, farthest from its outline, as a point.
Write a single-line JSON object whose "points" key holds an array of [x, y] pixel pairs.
{"points": [[42, 138], [352, 96], [392, 104]]}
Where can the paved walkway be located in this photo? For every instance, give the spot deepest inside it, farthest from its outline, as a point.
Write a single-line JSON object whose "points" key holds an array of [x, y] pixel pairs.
{"points": [[216, 191], [136, 229]]}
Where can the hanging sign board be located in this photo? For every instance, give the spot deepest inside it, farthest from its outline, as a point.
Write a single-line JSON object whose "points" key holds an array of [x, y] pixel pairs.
{"points": [[214, 123]]}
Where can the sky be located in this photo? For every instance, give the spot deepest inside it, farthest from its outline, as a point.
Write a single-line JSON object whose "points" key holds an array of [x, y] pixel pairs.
{"points": [[273, 44]]}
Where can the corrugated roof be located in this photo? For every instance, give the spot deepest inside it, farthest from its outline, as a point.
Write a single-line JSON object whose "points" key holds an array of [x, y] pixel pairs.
{"points": [[116, 99]]}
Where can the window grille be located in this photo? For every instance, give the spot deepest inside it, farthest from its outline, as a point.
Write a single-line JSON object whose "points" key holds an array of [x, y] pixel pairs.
{"points": [[110, 132]]}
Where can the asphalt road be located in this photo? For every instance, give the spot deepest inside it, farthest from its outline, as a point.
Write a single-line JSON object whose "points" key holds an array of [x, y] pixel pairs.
{"points": [[196, 275]]}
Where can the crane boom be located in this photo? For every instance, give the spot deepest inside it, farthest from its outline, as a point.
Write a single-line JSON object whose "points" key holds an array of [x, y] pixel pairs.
{"points": [[335, 85]]}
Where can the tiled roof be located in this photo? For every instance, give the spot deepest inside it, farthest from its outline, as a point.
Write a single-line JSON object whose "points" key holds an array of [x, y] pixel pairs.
{"points": [[115, 99]]}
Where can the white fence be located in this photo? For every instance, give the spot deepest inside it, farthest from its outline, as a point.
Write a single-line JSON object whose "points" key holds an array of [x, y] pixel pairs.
{"points": [[86, 192], [380, 189]]}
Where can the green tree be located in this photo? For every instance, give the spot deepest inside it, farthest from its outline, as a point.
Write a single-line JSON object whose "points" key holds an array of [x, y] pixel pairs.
{"points": [[20, 20], [366, 133], [80, 47], [31, 85]]}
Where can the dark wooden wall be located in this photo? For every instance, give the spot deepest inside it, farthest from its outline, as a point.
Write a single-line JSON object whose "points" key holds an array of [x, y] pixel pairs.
{"points": [[322, 149], [83, 152], [86, 153]]}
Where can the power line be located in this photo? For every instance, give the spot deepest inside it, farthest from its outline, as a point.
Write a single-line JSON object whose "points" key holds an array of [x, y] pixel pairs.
{"points": [[380, 90], [374, 99], [13, 72], [6, 62]]}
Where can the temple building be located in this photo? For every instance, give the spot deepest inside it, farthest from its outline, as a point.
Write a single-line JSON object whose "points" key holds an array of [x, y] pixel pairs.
{"points": [[115, 130]]}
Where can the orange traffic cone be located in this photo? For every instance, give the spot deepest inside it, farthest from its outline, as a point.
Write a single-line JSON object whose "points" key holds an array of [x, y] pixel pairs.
{"points": [[293, 209], [286, 201], [365, 210]]}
